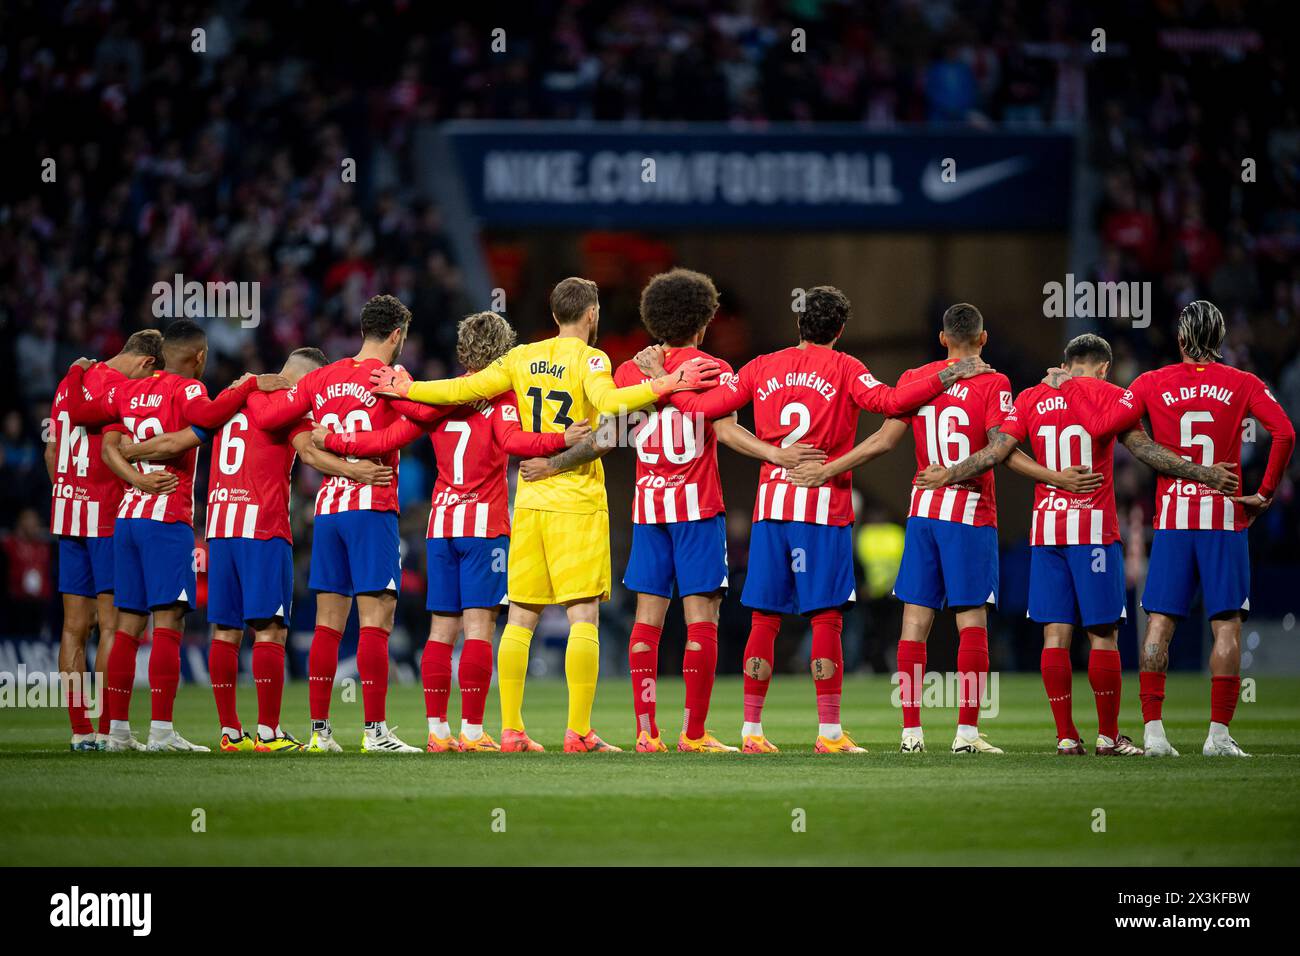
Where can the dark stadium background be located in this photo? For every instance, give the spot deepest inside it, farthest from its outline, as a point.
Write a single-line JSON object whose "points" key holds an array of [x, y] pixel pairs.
{"points": [[225, 165]]}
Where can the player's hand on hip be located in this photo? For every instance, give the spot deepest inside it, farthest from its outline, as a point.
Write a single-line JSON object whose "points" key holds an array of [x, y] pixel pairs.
{"points": [[371, 473], [1055, 376], [273, 383], [1078, 480], [1255, 505], [809, 474], [1225, 480], [535, 469], [650, 360], [157, 483], [934, 476], [576, 433], [390, 382], [796, 455], [970, 366]]}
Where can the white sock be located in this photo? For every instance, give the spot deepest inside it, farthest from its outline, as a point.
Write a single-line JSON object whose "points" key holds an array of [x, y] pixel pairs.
{"points": [[914, 732], [751, 730], [1154, 728], [438, 726], [232, 733], [266, 733], [967, 731], [120, 727], [830, 731], [1217, 729], [471, 731], [160, 725]]}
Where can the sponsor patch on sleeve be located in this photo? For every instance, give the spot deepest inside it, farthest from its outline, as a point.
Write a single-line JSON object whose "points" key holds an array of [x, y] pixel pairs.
{"points": [[596, 363], [1005, 398], [193, 391]]}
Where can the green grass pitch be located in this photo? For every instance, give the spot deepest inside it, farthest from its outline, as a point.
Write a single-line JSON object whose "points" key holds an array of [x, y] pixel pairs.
{"points": [[1028, 807]]}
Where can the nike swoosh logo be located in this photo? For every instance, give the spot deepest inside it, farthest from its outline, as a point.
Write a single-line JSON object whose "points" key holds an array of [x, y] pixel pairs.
{"points": [[968, 180]]}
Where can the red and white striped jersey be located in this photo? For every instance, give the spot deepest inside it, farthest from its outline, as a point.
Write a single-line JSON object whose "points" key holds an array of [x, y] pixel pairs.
{"points": [[950, 427], [1059, 440], [248, 480], [676, 453], [338, 397], [472, 445], [810, 394], [85, 495], [1198, 411], [150, 406]]}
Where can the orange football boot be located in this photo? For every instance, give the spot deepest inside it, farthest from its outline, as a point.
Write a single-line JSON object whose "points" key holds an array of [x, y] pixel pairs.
{"points": [[706, 744], [442, 745], [484, 743], [758, 745], [516, 741], [843, 744], [645, 744], [574, 744]]}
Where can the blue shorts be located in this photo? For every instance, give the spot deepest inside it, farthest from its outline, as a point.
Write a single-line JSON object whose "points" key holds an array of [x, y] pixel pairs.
{"points": [[690, 554], [946, 563], [249, 579], [356, 552], [798, 568], [85, 566], [466, 572], [153, 564], [1077, 584], [1180, 559]]}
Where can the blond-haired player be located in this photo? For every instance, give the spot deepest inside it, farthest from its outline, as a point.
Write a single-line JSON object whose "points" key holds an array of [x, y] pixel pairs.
{"points": [[561, 524]]}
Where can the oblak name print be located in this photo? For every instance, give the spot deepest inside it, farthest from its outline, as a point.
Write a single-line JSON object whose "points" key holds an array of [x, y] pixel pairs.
{"points": [[76, 909]]}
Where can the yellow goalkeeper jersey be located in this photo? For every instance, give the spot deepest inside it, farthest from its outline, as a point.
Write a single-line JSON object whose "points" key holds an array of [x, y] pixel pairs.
{"points": [[557, 382]]}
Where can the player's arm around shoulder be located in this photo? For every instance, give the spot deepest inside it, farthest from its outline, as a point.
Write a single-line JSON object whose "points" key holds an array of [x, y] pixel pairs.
{"points": [[490, 382]]}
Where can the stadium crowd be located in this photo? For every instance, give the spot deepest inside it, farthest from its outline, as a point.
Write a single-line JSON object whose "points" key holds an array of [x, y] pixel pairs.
{"points": [[225, 166]]}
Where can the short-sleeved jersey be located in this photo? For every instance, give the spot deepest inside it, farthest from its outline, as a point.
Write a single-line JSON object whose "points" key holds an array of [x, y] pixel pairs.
{"points": [[950, 427], [1198, 411], [248, 481], [470, 497], [676, 452], [808, 394], [149, 407], [471, 445], [86, 494], [338, 397], [557, 382], [1059, 440]]}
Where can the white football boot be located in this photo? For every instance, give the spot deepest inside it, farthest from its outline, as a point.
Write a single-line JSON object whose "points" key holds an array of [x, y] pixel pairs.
{"points": [[1221, 745], [912, 744], [378, 739], [83, 743], [120, 741], [973, 745], [1154, 741], [170, 741]]}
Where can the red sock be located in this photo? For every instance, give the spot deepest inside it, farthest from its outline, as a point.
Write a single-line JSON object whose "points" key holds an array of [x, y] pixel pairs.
{"points": [[698, 668], [1106, 677], [164, 671], [827, 627], [268, 675], [911, 680], [474, 677], [105, 722], [119, 676], [644, 667], [972, 672], [1223, 698], [435, 675], [1058, 681], [322, 665], [763, 629], [372, 665], [1151, 691], [223, 670], [77, 707]]}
